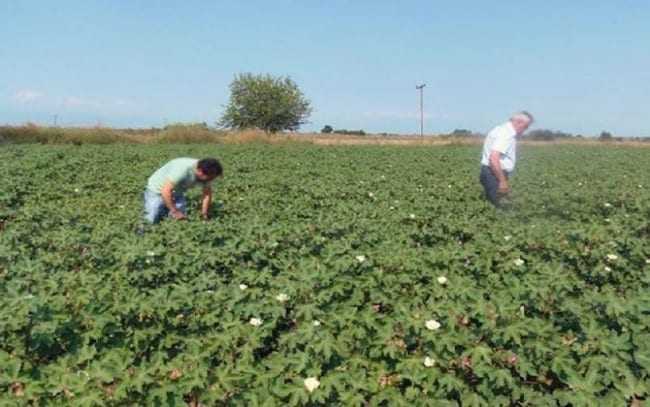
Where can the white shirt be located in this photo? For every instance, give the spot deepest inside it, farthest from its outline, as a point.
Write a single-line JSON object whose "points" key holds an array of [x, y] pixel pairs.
{"points": [[501, 139]]}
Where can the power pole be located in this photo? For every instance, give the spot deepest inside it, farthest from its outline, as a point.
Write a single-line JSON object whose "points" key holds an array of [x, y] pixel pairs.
{"points": [[56, 116], [421, 89]]}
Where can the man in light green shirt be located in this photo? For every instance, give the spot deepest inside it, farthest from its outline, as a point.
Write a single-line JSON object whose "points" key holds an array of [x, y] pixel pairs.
{"points": [[164, 195]]}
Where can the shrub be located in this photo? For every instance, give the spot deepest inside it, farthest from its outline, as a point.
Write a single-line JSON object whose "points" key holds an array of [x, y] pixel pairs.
{"points": [[265, 102]]}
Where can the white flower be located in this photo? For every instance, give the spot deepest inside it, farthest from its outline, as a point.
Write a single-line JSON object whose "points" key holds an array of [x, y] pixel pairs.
{"points": [[519, 262], [412, 216], [449, 186], [507, 237], [76, 190], [429, 362], [432, 325], [255, 321], [361, 258], [316, 323], [607, 205], [612, 257], [607, 269], [442, 280], [579, 184], [391, 208], [243, 287], [311, 384], [371, 195], [282, 297], [647, 261], [151, 254]]}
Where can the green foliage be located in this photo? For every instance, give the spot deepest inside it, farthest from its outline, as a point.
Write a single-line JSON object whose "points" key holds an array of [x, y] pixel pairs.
{"points": [[546, 304], [350, 132], [265, 102], [605, 136], [327, 129]]}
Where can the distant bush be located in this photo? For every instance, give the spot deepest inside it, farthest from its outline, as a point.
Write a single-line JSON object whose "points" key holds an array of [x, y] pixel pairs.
{"points": [[350, 132], [605, 136], [188, 133], [547, 135], [327, 129]]}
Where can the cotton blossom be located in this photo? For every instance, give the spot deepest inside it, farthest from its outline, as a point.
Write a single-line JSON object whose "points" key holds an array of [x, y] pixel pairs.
{"points": [[442, 280], [282, 297], [607, 268], [255, 321], [607, 205], [507, 237], [432, 325], [371, 195], [412, 216], [361, 258], [243, 287], [311, 384], [429, 362], [151, 254], [316, 323], [647, 261], [519, 262], [612, 257]]}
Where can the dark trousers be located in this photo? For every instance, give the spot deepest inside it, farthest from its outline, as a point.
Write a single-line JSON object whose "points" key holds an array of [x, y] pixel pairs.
{"points": [[490, 184]]}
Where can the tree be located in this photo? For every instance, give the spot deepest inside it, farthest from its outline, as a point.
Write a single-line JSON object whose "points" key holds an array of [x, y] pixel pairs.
{"points": [[266, 102], [327, 129]]}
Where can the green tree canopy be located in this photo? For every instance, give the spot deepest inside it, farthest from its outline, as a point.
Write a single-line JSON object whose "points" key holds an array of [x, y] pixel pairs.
{"points": [[266, 102]]}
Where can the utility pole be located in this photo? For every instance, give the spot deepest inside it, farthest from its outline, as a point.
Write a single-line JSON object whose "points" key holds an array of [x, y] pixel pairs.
{"points": [[56, 116], [421, 89]]}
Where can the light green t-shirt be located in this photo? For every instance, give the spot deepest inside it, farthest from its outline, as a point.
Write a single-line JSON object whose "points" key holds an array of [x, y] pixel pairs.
{"points": [[180, 171]]}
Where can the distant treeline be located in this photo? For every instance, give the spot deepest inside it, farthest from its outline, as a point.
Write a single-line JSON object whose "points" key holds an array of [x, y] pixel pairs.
{"points": [[202, 133], [551, 135]]}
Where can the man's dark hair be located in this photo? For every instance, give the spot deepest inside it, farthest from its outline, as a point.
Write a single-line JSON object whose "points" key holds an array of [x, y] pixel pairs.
{"points": [[210, 167]]}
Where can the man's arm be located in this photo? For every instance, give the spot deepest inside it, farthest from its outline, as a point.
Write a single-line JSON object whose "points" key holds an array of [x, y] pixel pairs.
{"points": [[206, 201], [167, 193], [495, 166]]}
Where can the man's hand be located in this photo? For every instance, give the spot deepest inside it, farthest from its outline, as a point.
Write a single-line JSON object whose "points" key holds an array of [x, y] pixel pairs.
{"points": [[504, 188], [178, 215], [206, 201]]}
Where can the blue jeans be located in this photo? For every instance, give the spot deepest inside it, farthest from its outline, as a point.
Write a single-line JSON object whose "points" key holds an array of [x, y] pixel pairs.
{"points": [[155, 209], [491, 184]]}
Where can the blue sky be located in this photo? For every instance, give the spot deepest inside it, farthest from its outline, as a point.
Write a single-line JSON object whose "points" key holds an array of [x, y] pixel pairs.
{"points": [[579, 66]]}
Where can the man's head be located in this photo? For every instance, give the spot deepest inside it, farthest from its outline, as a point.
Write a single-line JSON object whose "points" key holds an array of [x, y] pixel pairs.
{"points": [[521, 121], [208, 169]]}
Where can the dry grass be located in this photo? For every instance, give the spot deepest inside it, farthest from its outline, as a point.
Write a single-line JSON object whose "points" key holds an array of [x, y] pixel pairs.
{"points": [[199, 133]]}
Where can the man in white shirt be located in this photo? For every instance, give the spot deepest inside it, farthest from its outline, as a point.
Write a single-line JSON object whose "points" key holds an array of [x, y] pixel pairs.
{"points": [[500, 155]]}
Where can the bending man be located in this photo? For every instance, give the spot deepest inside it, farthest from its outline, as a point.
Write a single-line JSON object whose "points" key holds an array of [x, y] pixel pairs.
{"points": [[499, 156], [164, 195]]}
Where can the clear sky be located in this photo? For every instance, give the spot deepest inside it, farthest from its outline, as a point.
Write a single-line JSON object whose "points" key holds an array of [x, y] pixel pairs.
{"points": [[581, 66]]}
